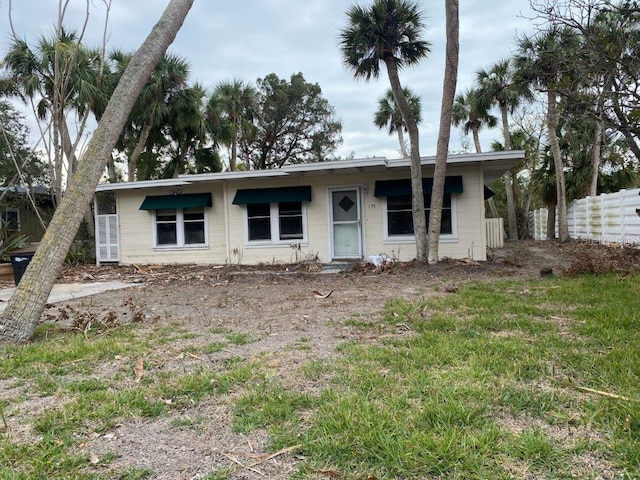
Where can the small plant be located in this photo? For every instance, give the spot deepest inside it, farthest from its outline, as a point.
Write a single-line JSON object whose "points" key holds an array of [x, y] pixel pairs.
{"points": [[10, 241], [239, 338]]}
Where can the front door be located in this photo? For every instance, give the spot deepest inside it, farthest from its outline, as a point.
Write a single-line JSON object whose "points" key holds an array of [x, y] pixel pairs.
{"points": [[346, 224]]}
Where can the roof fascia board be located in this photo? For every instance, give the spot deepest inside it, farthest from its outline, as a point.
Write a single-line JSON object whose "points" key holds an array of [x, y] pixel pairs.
{"points": [[335, 167]]}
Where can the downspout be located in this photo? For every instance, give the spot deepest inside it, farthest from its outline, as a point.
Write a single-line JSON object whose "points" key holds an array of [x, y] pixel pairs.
{"points": [[483, 215], [225, 197]]}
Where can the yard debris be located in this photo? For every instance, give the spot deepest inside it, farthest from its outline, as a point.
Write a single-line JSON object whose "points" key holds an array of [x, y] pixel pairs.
{"points": [[380, 260], [262, 460], [317, 294], [604, 394], [139, 370]]}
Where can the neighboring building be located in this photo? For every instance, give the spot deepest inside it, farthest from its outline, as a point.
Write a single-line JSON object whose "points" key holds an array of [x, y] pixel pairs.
{"points": [[332, 211], [17, 211]]}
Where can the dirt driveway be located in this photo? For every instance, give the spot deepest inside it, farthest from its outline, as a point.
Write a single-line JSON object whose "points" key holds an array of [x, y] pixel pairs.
{"points": [[279, 309]]}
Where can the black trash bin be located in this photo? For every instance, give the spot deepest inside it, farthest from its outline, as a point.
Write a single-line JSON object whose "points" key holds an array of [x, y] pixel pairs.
{"points": [[20, 262]]}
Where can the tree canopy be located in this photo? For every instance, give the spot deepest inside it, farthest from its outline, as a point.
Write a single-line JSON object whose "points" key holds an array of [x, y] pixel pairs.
{"points": [[293, 123], [19, 165]]}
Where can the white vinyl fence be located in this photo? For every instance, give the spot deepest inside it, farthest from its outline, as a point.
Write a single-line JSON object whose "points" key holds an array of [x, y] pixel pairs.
{"points": [[495, 232], [611, 218]]}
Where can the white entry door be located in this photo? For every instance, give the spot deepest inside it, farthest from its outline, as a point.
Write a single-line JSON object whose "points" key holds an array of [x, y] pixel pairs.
{"points": [[346, 223]]}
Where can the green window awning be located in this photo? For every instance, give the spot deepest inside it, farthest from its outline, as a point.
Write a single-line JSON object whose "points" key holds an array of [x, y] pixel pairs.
{"points": [[185, 200], [272, 195], [399, 188]]}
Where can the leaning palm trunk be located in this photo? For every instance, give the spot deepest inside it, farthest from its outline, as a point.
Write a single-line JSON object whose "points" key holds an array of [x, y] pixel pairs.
{"points": [[25, 308], [552, 123], [446, 110], [417, 195]]}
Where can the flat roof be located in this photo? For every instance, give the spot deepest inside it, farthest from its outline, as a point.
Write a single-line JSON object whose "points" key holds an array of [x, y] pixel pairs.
{"points": [[494, 165]]}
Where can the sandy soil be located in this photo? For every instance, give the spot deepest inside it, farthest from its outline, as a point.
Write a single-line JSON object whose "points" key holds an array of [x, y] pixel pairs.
{"points": [[279, 308]]}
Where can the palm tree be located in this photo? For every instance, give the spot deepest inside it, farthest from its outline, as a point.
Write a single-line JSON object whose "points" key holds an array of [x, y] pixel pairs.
{"points": [[233, 105], [152, 109], [389, 32], [499, 86], [449, 84], [187, 125], [23, 312], [61, 75], [388, 116], [472, 114], [546, 62]]}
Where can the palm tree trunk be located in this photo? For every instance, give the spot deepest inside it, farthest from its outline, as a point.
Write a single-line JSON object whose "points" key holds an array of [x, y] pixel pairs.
{"points": [[179, 167], [234, 154], [67, 146], [512, 217], [403, 146], [490, 200], [476, 140], [595, 158], [417, 195], [505, 126], [58, 162], [142, 142], [551, 222], [446, 110], [25, 308], [552, 123], [111, 170]]}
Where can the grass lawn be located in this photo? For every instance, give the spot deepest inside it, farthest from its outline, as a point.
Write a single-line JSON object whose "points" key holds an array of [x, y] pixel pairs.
{"points": [[508, 379]]}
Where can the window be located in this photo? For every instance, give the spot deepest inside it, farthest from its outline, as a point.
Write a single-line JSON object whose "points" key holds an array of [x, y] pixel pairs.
{"points": [[400, 217], [11, 218], [275, 222], [259, 216], [290, 215], [180, 227]]}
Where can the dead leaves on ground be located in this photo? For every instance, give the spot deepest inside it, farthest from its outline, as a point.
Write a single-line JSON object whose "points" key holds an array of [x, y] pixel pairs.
{"points": [[71, 318]]}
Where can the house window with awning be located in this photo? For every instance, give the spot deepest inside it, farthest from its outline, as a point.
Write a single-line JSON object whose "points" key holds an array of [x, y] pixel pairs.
{"points": [[179, 220], [398, 206], [275, 215]]}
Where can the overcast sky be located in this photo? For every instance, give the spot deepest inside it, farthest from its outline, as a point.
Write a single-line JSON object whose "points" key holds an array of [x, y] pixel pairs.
{"points": [[248, 39]]}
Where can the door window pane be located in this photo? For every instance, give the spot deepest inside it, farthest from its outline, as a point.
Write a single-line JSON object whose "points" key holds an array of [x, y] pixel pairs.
{"points": [[345, 207]]}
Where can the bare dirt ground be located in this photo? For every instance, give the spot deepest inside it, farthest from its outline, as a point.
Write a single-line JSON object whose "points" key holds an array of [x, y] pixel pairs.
{"points": [[279, 308]]}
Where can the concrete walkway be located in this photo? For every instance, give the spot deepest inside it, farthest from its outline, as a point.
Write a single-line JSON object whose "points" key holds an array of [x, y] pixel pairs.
{"points": [[69, 291]]}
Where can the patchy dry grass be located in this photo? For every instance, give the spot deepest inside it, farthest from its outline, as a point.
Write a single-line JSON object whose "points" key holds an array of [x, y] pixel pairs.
{"points": [[488, 382]]}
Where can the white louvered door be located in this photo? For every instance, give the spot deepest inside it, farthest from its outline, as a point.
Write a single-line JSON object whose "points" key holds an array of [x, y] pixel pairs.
{"points": [[108, 245]]}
